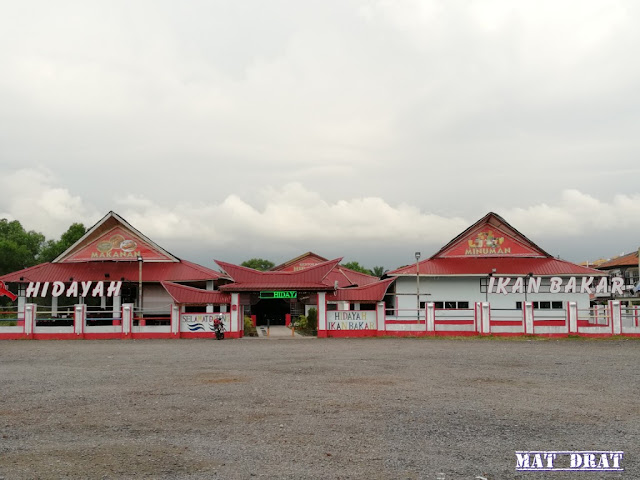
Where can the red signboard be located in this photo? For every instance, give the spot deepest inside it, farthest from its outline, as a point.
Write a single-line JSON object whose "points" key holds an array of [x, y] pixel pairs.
{"points": [[117, 244], [490, 242]]}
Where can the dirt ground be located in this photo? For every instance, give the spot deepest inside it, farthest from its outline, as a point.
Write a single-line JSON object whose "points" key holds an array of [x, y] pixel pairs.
{"points": [[313, 408]]}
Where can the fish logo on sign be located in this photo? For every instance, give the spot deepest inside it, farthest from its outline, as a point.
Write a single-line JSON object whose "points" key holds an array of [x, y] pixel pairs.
{"points": [[4, 292]]}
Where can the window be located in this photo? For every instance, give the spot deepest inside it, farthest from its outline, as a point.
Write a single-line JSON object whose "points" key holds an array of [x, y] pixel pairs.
{"points": [[451, 304], [518, 305], [545, 305], [556, 305], [423, 304]]}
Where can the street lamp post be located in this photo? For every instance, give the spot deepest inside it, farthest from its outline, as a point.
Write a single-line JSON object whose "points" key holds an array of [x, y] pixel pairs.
{"points": [[140, 260], [418, 285]]}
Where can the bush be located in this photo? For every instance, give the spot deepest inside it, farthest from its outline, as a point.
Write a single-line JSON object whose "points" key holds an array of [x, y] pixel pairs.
{"points": [[301, 323], [312, 319], [249, 329]]}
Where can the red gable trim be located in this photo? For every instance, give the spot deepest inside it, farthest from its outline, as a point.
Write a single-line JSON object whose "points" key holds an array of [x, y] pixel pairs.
{"points": [[195, 296]]}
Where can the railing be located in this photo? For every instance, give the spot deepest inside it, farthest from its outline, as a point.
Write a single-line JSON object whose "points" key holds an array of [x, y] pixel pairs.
{"points": [[407, 315], [597, 316], [9, 316], [630, 316]]}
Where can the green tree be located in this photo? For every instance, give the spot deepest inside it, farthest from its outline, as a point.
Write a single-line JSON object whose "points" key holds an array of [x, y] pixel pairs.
{"points": [[378, 271], [53, 248], [357, 267], [259, 264], [18, 248]]}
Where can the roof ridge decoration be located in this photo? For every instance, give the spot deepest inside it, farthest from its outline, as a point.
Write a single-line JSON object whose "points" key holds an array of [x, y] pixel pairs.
{"points": [[491, 236], [113, 238]]}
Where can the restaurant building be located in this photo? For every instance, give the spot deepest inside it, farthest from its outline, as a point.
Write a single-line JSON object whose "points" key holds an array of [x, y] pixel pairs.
{"points": [[489, 280]]}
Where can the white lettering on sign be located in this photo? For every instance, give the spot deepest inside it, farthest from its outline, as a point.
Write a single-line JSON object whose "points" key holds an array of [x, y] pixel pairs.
{"points": [[58, 288], [584, 285], [568, 461]]}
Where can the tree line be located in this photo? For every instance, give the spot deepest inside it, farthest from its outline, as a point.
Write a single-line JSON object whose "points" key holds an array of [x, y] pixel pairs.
{"points": [[20, 248]]}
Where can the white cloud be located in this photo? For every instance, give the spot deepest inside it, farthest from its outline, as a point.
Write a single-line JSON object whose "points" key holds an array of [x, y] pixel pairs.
{"points": [[33, 198]]}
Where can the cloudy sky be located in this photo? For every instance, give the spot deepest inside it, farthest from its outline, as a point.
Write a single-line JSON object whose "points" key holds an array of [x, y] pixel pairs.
{"points": [[364, 129]]}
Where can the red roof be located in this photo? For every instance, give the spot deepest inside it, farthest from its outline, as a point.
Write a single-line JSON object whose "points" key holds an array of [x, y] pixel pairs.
{"points": [[182, 271], [492, 245], [374, 292], [196, 296], [248, 279], [628, 260], [503, 266], [348, 278]]}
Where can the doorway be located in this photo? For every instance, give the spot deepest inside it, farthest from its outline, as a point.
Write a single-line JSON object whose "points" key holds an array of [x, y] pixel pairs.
{"points": [[271, 311]]}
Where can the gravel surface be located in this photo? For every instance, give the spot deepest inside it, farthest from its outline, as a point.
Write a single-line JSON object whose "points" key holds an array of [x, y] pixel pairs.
{"points": [[313, 408]]}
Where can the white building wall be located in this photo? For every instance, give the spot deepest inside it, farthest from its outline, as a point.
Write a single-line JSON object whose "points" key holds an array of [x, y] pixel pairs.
{"points": [[467, 289]]}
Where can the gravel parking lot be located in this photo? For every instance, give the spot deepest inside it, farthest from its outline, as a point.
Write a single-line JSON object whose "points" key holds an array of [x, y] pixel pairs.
{"points": [[313, 408]]}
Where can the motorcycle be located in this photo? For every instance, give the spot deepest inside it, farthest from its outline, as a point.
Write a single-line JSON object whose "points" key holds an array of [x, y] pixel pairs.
{"points": [[218, 328]]}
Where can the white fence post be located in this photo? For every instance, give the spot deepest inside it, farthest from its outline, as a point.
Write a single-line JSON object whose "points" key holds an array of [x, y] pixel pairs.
{"points": [[79, 318], [381, 312], [29, 318], [616, 317], [431, 317], [235, 313], [486, 318], [528, 318], [478, 317], [127, 318], [175, 319], [572, 314], [322, 314]]}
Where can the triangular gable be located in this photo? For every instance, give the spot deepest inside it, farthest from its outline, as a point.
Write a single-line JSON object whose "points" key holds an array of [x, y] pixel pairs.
{"points": [[302, 262], [112, 238], [491, 236]]}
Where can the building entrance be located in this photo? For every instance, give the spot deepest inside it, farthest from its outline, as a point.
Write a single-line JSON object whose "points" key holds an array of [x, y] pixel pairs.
{"points": [[271, 311]]}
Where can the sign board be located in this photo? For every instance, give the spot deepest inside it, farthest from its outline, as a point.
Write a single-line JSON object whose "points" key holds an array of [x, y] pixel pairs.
{"points": [[203, 322], [351, 320], [117, 244], [279, 294]]}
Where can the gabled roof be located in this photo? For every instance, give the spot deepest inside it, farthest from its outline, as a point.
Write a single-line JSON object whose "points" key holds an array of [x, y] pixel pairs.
{"points": [[248, 279], [492, 235], [374, 292], [182, 271], [113, 239], [628, 260], [306, 260], [492, 245], [195, 296], [345, 277]]}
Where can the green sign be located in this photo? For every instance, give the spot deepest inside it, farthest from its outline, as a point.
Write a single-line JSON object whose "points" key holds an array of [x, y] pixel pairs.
{"points": [[279, 294]]}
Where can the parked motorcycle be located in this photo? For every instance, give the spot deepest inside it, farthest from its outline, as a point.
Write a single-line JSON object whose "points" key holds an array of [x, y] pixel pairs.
{"points": [[218, 328]]}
